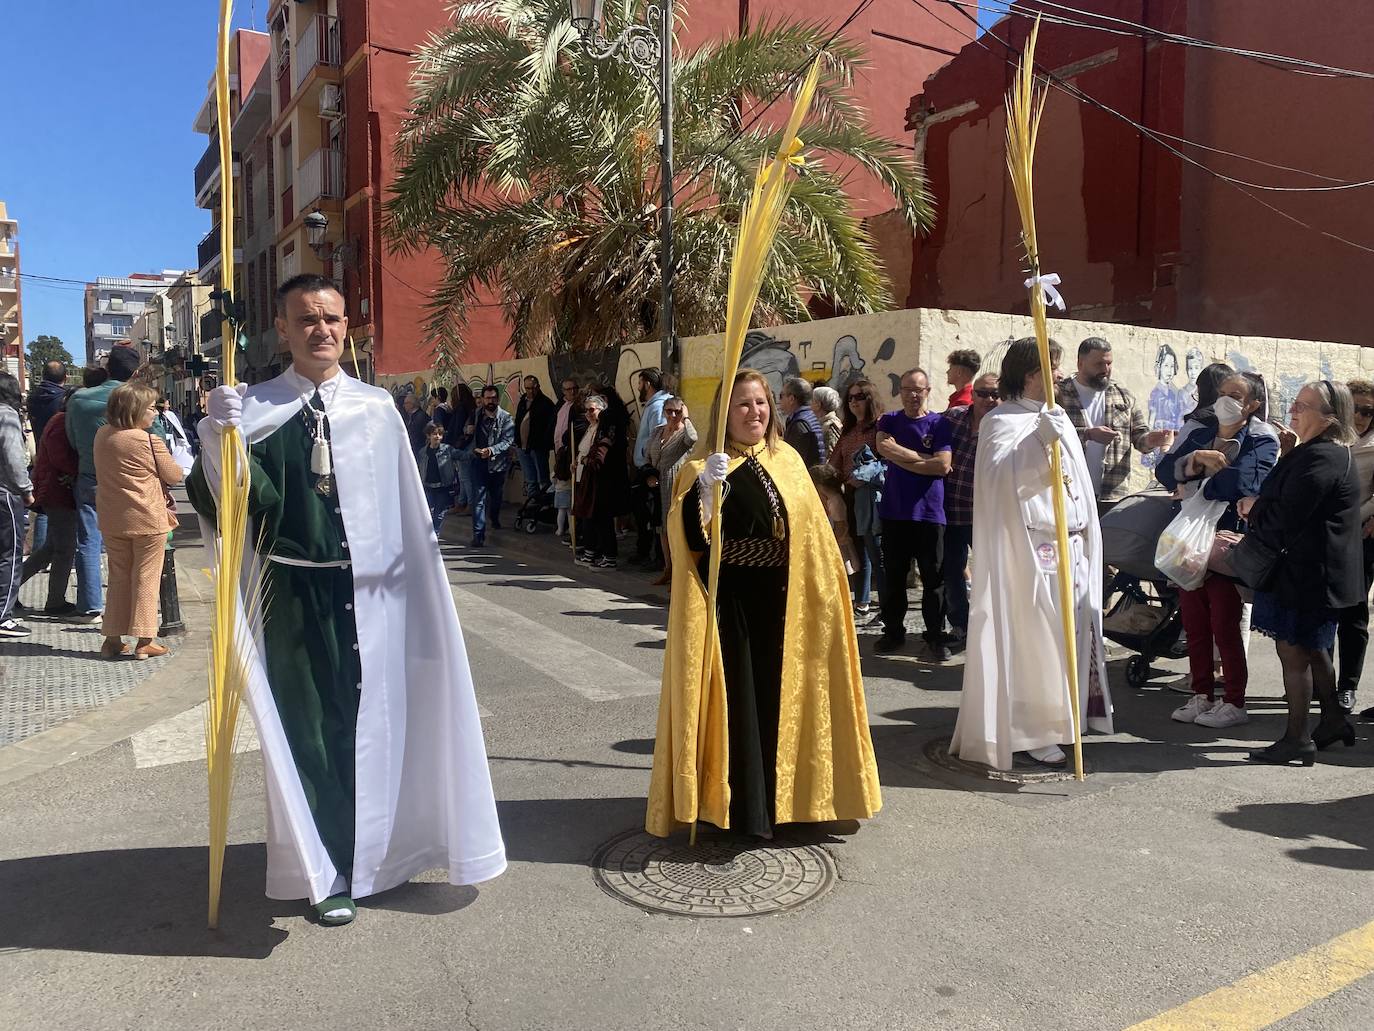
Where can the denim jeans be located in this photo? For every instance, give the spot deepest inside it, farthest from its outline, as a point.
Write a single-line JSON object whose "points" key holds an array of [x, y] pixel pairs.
{"points": [[439, 500], [57, 554], [488, 487], [958, 542], [40, 530], [464, 492], [88, 547], [534, 465], [868, 578]]}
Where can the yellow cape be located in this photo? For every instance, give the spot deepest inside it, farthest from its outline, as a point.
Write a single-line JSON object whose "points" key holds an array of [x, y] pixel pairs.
{"points": [[825, 766]]}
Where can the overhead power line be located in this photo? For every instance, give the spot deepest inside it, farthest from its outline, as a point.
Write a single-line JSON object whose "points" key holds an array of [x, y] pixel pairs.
{"points": [[1082, 97]]}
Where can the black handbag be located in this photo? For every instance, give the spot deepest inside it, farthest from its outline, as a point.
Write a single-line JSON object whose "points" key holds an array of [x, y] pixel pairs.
{"points": [[1254, 562]]}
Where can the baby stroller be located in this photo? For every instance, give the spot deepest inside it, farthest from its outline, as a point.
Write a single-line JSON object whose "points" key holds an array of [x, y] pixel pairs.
{"points": [[536, 511], [1140, 606]]}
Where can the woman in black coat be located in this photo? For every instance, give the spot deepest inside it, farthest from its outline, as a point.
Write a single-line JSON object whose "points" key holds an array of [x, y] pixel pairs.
{"points": [[1308, 512]]}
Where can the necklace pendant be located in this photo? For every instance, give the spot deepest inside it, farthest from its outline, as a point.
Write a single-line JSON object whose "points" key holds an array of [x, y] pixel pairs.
{"points": [[325, 486]]}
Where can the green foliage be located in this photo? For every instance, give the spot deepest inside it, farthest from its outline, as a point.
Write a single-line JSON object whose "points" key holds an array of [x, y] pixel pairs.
{"points": [[43, 349], [534, 171]]}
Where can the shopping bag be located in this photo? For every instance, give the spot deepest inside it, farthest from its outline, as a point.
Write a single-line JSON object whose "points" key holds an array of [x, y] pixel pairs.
{"points": [[1186, 543]]}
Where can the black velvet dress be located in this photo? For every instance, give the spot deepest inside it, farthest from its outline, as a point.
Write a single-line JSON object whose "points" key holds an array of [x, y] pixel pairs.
{"points": [[752, 617]]}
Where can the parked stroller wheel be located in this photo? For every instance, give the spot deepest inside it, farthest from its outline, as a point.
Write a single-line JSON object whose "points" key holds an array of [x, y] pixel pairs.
{"points": [[531, 526], [1138, 671]]}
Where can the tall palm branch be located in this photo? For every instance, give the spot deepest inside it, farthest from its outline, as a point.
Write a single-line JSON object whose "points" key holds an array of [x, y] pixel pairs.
{"points": [[533, 170]]}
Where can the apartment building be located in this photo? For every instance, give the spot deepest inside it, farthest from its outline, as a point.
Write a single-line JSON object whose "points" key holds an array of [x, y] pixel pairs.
{"points": [[114, 304], [11, 297]]}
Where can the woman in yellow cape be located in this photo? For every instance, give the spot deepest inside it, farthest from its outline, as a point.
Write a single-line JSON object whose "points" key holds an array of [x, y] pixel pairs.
{"points": [[784, 734]]}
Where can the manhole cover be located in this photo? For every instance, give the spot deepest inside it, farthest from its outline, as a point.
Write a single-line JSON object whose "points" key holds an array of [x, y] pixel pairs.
{"points": [[1023, 771], [714, 877]]}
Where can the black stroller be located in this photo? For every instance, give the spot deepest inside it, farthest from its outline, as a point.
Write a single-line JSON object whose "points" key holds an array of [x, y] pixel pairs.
{"points": [[538, 510], [1140, 606]]}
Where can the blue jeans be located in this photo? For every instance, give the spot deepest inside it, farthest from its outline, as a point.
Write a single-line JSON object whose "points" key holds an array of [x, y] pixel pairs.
{"points": [[88, 547], [868, 578], [488, 487], [534, 464], [439, 500], [958, 542], [463, 490], [40, 530]]}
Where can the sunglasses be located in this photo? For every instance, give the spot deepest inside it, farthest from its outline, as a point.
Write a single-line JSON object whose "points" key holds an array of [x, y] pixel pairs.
{"points": [[988, 394], [857, 397], [1367, 411]]}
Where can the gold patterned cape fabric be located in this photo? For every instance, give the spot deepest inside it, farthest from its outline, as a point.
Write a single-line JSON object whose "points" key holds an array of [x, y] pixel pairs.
{"points": [[825, 766]]}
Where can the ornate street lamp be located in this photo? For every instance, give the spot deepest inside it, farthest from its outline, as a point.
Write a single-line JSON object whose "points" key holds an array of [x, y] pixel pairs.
{"points": [[647, 48], [316, 226]]}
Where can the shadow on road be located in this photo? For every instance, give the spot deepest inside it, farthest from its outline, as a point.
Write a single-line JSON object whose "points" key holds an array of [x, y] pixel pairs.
{"points": [[1346, 819], [565, 830], [139, 902]]}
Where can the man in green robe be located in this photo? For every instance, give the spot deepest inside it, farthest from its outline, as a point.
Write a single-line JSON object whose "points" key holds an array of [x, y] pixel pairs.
{"points": [[361, 690]]}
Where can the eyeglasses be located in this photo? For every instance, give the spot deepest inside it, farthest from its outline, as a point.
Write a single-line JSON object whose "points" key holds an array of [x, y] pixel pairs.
{"points": [[915, 390], [988, 394], [1298, 407], [672, 412], [1366, 411]]}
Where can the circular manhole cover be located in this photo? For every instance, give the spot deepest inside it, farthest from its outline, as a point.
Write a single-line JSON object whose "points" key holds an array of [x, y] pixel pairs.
{"points": [[1023, 771], [714, 877]]}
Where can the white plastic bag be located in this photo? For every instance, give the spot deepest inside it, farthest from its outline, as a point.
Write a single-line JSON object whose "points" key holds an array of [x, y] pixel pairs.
{"points": [[1186, 543]]}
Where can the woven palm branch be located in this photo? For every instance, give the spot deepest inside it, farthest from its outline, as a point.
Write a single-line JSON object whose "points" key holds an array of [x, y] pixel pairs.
{"points": [[1025, 105], [228, 668]]}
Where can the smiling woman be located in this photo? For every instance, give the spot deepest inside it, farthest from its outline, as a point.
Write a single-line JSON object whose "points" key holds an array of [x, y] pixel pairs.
{"points": [[787, 653]]}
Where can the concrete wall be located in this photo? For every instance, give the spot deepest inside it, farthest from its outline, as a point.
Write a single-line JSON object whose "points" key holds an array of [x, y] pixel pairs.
{"points": [[881, 347]]}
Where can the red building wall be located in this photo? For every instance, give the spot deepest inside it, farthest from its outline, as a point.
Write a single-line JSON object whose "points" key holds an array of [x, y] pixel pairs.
{"points": [[1136, 234]]}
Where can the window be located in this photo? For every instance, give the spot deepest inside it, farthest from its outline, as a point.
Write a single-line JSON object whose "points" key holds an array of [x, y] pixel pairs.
{"points": [[116, 302]]}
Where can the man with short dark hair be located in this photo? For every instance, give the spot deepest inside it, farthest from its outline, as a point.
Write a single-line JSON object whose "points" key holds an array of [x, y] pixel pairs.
{"points": [[534, 419], [358, 680], [46, 397], [915, 443], [85, 416], [964, 423], [489, 446], [802, 429], [963, 366], [1108, 421], [1015, 695]]}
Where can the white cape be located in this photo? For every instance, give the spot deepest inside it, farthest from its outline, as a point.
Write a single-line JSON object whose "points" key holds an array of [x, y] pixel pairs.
{"points": [[1016, 693], [423, 789]]}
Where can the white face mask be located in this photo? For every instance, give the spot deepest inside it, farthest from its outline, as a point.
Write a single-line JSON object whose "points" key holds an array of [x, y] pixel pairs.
{"points": [[1228, 410]]}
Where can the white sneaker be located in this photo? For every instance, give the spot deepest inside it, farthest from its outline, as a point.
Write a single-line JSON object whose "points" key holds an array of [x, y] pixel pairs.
{"points": [[1223, 715], [1192, 709]]}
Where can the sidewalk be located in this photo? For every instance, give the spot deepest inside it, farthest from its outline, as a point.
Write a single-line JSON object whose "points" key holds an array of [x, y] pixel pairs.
{"points": [[59, 700]]}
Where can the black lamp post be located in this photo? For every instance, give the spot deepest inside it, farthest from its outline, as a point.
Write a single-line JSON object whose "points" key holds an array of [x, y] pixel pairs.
{"points": [[645, 48]]}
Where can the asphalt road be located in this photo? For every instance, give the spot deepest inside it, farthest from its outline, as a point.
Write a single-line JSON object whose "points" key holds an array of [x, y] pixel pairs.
{"points": [[1175, 870]]}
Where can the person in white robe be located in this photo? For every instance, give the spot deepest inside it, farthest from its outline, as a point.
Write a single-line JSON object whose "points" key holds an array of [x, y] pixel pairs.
{"points": [[359, 682], [1015, 694]]}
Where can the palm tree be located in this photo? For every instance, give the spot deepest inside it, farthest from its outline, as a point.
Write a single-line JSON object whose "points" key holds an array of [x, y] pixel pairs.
{"points": [[534, 171]]}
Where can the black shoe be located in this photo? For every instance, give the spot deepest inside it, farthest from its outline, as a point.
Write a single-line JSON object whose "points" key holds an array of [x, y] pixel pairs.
{"points": [[1284, 751], [605, 562], [19, 608], [889, 643], [65, 609], [478, 542], [1345, 700], [1324, 739]]}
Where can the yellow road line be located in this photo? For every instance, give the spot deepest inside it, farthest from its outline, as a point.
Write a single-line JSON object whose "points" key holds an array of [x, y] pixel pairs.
{"points": [[1266, 997]]}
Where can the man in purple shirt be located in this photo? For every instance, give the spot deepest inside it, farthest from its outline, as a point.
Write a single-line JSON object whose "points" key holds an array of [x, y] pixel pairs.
{"points": [[915, 444]]}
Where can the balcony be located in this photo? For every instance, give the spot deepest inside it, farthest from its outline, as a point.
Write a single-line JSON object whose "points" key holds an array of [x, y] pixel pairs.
{"points": [[9, 282], [208, 250], [318, 47], [208, 173], [321, 177]]}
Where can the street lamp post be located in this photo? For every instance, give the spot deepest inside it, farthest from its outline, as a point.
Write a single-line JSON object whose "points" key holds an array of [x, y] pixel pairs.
{"points": [[646, 48]]}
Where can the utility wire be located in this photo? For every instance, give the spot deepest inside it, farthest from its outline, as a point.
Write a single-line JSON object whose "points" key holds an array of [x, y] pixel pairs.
{"points": [[1137, 29], [1077, 94]]}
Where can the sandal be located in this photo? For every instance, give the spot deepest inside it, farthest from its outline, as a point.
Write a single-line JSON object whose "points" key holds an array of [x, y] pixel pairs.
{"points": [[111, 650], [336, 910]]}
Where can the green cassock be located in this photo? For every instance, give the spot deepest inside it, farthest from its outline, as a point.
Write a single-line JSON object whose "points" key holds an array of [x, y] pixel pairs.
{"points": [[310, 639]]}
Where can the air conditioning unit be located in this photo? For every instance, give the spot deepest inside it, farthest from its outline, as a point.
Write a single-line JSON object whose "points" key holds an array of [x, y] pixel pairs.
{"points": [[331, 101]]}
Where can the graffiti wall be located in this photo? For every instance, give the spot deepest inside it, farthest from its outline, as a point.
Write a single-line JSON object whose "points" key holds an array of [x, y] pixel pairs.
{"points": [[1159, 367]]}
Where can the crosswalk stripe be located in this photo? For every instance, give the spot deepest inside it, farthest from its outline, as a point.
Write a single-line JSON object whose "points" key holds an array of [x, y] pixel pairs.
{"points": [[181, 739], [593, 674]]}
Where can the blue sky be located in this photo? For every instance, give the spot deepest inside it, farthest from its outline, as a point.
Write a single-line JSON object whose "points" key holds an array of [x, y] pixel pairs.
{"points": [[98, 150]]}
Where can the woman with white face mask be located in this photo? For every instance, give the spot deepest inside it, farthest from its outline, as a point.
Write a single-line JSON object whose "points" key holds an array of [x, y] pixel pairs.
{"points": [[1226, 464]]}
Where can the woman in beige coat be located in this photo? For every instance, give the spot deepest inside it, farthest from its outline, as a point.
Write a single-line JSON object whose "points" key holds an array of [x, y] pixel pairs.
{"points": [[131, 467]]}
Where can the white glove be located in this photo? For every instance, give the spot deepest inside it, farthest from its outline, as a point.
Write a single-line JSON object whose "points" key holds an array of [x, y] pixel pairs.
{"points": [[1053, 424], [715, 470], [224, 405]]}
